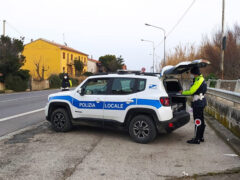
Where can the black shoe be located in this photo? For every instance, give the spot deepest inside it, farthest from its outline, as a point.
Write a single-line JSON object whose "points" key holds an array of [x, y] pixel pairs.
{"points": [[201, 140], [194, 141]]}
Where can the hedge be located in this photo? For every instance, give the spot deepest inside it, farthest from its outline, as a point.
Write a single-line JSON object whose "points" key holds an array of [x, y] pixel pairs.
{"points": [[54, 81], [15, 83]]}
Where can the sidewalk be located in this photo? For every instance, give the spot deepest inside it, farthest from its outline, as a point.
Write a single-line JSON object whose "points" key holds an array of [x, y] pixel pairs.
{"points": [[228, 137]]}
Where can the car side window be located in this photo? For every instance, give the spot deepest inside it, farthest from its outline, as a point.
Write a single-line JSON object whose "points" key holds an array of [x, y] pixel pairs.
{"points": [[96, 86], [121, 86], [141, 84]]}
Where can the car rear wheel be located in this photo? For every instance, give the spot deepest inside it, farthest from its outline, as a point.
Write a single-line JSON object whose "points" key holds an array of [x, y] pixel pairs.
{"points": [[60, 120], [142, 129]]}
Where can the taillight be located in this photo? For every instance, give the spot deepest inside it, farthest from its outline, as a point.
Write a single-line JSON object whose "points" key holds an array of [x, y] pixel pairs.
{"points": [[165, 101]]}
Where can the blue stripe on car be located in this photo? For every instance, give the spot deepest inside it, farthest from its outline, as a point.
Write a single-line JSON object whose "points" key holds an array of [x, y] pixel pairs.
{"points": [[107, 105], [149, 102]]}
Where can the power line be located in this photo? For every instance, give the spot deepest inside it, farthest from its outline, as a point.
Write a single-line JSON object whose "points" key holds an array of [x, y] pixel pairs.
{"points": [[178, 22], [16, 30], [181, 18]]}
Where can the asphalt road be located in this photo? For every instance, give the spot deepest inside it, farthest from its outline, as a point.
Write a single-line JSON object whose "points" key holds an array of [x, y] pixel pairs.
{"points": [[95, 153], [19, 110], [88, 153]]}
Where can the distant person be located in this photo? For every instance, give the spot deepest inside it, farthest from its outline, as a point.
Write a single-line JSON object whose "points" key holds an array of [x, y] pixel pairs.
{"points": [[197, 90], [65, 82]]}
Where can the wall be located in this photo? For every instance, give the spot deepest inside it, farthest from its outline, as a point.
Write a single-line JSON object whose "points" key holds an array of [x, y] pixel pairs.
{"points": [[45, 53], [40, 85], [69, 59], [224, 112], [2, 87], [92, 66]]}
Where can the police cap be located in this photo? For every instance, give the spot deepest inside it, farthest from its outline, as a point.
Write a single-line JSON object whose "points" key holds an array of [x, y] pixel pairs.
{"points": [[195, 70]]}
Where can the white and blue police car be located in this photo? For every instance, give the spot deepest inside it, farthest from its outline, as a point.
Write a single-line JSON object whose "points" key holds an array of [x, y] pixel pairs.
{"points": [[141, 103]]}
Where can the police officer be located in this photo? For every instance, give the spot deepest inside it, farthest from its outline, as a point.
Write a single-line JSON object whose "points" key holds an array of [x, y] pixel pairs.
{"points": [[65, 82], [197, 90]]}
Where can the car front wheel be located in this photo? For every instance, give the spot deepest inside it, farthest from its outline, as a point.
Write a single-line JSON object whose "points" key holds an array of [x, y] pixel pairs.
{"points": [[60, 120], [142, 129]]}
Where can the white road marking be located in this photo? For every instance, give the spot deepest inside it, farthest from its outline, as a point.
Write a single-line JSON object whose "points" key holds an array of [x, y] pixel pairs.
{"points": [[22, 114], [29, 92], [22, 98], [232, 155]]}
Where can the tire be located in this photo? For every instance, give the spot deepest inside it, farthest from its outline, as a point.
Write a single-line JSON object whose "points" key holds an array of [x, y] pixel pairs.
{"points": [[142, 129], [60, 120]]}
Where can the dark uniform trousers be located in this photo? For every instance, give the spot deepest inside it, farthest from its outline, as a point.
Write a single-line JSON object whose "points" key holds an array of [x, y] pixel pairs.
{"points": [[198, 110]]}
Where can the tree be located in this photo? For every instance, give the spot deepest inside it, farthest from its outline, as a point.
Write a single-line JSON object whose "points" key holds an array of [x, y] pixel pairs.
{"points": [[211, 50], [78, 66], [11, 60], [112, 63], [40, 70], [181, 53]]}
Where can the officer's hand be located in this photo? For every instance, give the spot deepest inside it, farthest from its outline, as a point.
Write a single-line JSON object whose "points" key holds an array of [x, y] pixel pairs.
{"points": [[180, 91]]}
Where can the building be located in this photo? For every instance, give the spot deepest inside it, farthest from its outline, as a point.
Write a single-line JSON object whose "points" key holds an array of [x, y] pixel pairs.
{"points": [[44, 58], [95, 66], [92, 66]]}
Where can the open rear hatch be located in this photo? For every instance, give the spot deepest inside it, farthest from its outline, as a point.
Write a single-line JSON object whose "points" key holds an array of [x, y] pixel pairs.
{"points": [[183, 67], [173, 85]]}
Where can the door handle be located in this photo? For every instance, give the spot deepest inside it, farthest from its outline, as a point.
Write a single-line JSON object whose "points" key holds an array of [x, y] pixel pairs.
{"points": [[129, 101], [98, 100]]}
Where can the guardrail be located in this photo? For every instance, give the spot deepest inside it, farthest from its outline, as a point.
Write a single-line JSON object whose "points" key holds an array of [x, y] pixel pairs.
{"points": [[225, 89], [228, 95], [230, 85]]}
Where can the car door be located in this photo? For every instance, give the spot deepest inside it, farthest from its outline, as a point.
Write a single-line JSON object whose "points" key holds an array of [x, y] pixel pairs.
{"points": [[90, 103], [120, 97]]}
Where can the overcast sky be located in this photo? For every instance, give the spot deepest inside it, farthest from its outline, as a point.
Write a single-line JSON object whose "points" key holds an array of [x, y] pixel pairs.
{"points": [[99, 27]]}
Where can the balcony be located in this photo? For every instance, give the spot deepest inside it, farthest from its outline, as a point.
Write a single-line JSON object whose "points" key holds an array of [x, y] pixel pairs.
{"points": [[69, 62]]}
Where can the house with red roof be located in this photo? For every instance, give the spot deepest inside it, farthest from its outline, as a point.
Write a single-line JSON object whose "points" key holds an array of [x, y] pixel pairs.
{"points": [[44, 57]]}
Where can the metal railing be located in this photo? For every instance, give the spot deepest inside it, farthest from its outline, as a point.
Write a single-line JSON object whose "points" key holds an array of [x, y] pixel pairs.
{"points": [[230, 85], [228, 95], [225, 89]]}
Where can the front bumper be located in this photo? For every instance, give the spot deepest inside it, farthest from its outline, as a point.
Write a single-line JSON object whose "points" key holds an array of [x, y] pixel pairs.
{"points": [[179, 119], [46, 112]]}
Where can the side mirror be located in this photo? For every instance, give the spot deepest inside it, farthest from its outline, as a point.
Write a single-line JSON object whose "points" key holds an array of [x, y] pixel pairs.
{"points": [[81, 91]]}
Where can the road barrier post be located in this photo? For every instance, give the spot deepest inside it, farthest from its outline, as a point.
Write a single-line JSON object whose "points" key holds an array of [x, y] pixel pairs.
{"points": [[237, 87]]}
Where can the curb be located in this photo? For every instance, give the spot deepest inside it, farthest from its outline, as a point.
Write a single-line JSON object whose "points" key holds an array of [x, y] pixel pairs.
{"points": [[10, 135], [228, 137]]}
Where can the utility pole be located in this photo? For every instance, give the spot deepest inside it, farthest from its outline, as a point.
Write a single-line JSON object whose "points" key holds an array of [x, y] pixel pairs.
{"points": [[4, 21], [222, 45]]}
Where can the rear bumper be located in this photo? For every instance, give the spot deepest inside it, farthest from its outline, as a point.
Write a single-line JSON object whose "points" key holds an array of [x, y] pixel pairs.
{"points": [[179, 119]]}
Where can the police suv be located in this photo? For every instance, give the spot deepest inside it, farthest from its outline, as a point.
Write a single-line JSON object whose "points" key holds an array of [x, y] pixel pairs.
{"points": [[141, 103]]}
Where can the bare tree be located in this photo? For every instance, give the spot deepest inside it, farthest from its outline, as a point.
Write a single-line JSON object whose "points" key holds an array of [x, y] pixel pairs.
{"points": [[181, 53], [40, 70], [210, 49]]}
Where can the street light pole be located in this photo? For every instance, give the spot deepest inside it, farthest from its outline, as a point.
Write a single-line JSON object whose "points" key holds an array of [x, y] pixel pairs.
{"points": [[164, 40], [153, 49]]}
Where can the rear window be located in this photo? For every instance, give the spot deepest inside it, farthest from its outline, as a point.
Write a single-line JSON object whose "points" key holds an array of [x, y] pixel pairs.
{"points": [[123, 86], [141, 84]]}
